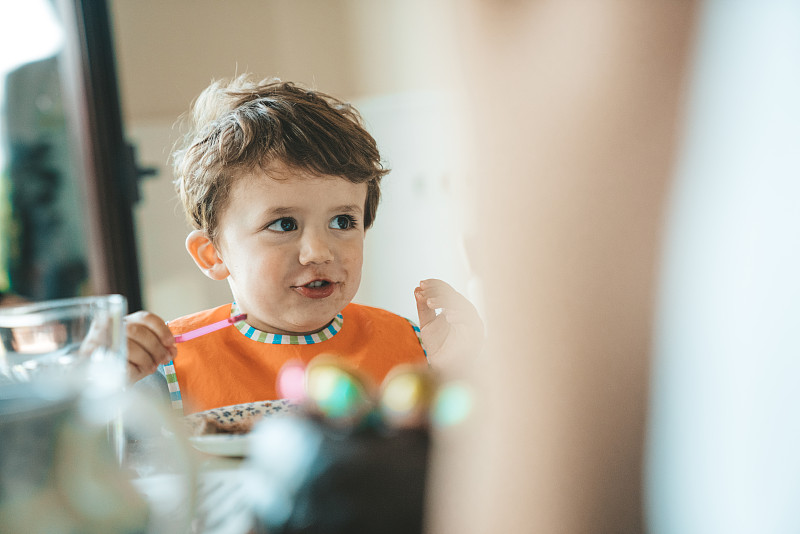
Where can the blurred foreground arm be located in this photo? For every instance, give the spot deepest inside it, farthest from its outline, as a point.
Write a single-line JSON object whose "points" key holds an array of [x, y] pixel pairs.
{"points": [[576, 108]]}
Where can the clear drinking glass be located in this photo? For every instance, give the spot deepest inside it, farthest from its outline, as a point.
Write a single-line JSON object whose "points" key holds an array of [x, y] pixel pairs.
{"points": [[73, 434], [71, 345]]}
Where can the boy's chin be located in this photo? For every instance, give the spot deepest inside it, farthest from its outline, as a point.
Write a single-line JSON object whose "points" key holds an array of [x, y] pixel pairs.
{"points": [[309, 327]]}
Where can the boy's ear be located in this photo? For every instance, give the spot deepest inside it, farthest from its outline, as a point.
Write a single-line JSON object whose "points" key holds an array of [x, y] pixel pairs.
{"points": [[205, 255]]}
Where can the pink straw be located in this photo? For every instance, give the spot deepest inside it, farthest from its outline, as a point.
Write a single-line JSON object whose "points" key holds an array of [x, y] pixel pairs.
{"points": [[203, 330]]}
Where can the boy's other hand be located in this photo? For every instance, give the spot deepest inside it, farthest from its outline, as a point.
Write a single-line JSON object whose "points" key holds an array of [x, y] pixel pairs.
{"points": [[456, 333], [150, 344]]}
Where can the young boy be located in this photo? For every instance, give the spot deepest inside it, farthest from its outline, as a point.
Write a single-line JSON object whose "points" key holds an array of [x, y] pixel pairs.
{"points": [[280, 184]]}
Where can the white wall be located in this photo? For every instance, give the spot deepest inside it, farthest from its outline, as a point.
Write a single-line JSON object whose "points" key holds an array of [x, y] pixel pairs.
{"points": [[418, 232]]}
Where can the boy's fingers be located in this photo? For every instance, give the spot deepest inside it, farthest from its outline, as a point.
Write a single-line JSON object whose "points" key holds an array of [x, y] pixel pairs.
{"points": [[144, 344], [442, 295], [139, 369], [134, 373], [148, 333], [154, 323], [434, 287], [426, 313], [143, 358]]}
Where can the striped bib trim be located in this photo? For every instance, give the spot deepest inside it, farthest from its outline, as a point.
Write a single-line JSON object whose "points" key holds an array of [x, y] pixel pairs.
{"points": [[287, 339]]}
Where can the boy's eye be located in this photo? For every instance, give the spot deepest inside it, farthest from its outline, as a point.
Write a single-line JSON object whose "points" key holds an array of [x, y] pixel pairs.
{"points": [[286, 224], [343, 222]]}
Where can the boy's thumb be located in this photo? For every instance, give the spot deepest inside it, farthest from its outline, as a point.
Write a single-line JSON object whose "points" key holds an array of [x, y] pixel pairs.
{"points": [[426, 314]]}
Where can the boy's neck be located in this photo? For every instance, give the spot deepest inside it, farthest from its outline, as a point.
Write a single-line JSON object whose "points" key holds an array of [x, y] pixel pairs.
{"points": [[235, 310]]}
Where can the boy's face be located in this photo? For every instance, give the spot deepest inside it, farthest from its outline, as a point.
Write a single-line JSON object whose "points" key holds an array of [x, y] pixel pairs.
{"points": [[293, 248]]}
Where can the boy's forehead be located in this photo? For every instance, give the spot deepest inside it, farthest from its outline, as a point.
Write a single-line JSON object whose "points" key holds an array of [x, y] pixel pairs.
{"points": [[300, 177], [280, 172], [296, 184]]}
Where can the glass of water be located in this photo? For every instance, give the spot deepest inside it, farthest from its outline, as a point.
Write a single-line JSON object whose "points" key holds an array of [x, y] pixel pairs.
{"points": [[66, 344], [73, 431]]}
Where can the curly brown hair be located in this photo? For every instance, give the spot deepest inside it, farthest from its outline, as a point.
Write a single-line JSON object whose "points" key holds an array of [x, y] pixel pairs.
{"points": [[240, 124]]}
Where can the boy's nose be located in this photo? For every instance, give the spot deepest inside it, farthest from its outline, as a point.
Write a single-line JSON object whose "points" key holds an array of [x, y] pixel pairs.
{"points": [[315, 249]]}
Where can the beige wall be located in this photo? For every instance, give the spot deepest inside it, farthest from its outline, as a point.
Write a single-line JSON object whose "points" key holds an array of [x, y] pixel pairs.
{"points": [[168, 50]]}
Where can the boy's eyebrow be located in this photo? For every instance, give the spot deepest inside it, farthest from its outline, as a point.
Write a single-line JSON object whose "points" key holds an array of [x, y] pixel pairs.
{"points": [[349, 208], [280, 210], [346, 208]]}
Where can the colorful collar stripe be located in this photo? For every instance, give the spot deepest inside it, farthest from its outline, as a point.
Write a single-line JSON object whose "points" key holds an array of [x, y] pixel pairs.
{"points": [[282, 339]]}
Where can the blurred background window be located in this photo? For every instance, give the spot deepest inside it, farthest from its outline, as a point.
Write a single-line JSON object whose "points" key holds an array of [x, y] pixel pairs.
{"points": [[67, 179]]}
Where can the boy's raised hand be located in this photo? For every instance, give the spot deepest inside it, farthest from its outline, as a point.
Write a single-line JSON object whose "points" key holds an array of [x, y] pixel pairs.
{"points": [[456, 333], [150, 344]]}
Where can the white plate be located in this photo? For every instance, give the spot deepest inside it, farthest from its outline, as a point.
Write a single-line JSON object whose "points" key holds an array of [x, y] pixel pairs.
{"points": [[222, 444], [225, 418]]}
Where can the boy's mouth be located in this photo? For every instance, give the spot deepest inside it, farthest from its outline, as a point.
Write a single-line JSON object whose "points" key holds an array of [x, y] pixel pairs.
{"points": [[316, 289]]}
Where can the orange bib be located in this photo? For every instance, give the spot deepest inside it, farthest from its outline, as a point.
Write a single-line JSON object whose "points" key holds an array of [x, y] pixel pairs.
{"points": [[239, 364]]}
